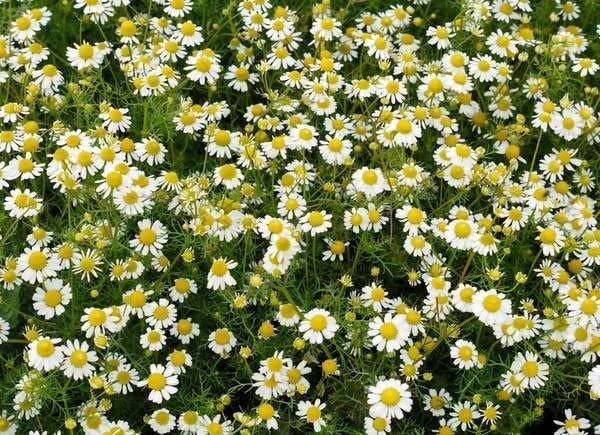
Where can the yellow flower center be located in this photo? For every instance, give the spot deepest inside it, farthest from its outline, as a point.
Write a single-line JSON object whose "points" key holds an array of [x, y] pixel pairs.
{"points": [[465, 353], [390, 396], [97, 317], [265, 411], [313, 413], [147, 236], [462, 230], [78, 358], [388, 330], [37, 260], [86, 51], [157, 381], [548, 236], [52, 298], [370, 177], [530, 369], [318, 322], [222, 336], [492, 303], [44, 348], [315, 218], [219, 268], [404, 126]]}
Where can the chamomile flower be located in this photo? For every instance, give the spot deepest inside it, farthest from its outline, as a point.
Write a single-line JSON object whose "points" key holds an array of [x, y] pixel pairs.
{"points": [[84, 55], [374, 296], [229, 175], [335, 150], [389, 398], [502, 44], [49, 79], [219, 276], [440, 36], [288, 315], [185, 330], [87, 263], [212, 425], [464, 354], [585, 66], [203, 67], [268, 414], [78, 360], [162, 421], [162, 383], [312, 413], [551, 240], [45, 353], [567, 124], [463, 415], [123, 378], [491, 307], [240, 77], [572, 425], [22, 203], [461, 233], [436, 401], [150, 239], [356, 219], [116, 119], [51, 299], [335, 251], [161, 314], [318, 325], [154, 339], [389, 333], [370, 182], [182, 288], [98, 321], [37, 265], [151, 151], [326, 28], [221, 341], [377, 425], [316, 222], [532, 372]]}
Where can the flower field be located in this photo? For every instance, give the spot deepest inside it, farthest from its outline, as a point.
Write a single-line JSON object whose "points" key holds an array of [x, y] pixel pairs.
{"points": [[268, 216]]}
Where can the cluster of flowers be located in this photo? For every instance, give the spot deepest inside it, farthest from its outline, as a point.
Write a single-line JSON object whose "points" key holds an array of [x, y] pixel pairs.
{"points": [[352, 135]]}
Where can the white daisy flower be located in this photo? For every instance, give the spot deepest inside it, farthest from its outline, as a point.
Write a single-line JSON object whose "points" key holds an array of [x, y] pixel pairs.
{"points": [[464, 354], [151, 238], [389, 398], [203, 67], [221, 341], [219, 276], [162, 421], [389, 333], [532, 372], [318, 325], [312, 413], [45, 353], [315, 222], [161, 314], [37, 265], [116, 120], [50, 301], [154, 339], [162, 383], [78, 359], [491, 307], [370, 182]]}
